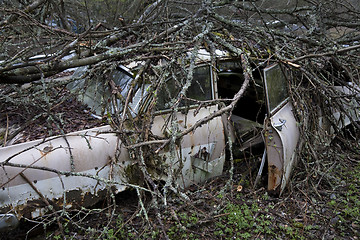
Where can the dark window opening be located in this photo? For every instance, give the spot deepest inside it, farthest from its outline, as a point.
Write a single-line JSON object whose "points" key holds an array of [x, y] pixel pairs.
{"points": [[251, 106]]}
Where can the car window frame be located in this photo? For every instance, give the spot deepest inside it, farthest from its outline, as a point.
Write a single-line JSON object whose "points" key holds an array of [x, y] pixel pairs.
{"points": [[195, 105], [282, 103]]}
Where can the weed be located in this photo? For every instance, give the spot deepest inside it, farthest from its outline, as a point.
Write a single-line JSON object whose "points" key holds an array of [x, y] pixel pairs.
{"points": [[243, 221]]}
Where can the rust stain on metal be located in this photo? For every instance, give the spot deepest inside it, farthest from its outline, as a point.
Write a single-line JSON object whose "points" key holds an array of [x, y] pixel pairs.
{"points": [[46, 151], [74, 199], [274, 177]]}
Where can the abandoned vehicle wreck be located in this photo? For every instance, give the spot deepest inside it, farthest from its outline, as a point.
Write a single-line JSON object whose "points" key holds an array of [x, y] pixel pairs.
{"points": [[77, 169]]}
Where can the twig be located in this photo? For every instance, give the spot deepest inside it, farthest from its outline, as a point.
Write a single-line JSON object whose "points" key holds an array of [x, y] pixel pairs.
{"points": [[50, 207]]}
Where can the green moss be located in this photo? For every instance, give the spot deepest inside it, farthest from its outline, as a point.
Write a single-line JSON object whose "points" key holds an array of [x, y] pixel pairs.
{"points": [[133, 174]]}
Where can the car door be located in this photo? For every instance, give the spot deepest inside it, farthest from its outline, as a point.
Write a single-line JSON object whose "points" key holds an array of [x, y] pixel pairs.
{"points": [[281, 129], [200, 154]]}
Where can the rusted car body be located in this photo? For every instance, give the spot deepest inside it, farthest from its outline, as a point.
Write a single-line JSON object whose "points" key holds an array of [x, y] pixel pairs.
{"points": [[62, 172]]}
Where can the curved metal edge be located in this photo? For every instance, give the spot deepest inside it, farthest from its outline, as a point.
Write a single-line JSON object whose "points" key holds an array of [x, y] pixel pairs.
{"points": [[8, 222]]}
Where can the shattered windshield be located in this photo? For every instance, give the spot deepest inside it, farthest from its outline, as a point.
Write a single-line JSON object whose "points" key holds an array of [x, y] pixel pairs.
{"points": [[200, 89]]}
